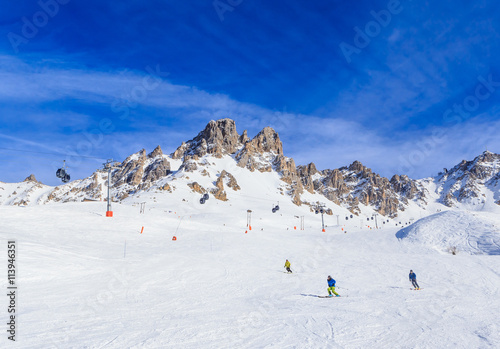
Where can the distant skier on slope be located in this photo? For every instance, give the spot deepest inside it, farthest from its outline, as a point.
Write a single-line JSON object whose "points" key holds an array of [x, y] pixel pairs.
{"points": [[413, 279], [287, 266], [331, 287]]}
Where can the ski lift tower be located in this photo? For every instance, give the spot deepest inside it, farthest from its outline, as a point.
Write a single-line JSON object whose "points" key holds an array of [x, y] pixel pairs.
{"points": [[109, 165], [320, 208], [376, 223], [249, 219]]}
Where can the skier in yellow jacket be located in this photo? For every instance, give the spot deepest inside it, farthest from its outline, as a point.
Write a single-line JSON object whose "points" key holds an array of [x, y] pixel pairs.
{"points": [[287, 266]]}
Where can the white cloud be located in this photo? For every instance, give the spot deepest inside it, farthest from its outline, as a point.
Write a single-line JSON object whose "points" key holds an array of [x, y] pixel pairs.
{"points": [[170, 114]]}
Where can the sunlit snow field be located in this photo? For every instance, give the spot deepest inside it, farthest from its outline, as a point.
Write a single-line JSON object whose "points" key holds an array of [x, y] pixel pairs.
{"points": [[90, 281]]}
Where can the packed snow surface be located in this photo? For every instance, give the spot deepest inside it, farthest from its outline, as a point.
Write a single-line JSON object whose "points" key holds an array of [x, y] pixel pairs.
{"points": [[468, 232], [89, 281]]}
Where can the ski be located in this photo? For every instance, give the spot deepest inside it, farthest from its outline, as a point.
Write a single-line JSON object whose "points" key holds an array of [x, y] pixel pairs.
{"points": [[329, 296]]}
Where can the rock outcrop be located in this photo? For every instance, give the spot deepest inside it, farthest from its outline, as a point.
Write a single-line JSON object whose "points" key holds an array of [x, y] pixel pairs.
{"points": [[140, 168], [353, 187], [218, 138], [356, 184], [31, 178], [263, 153], [260, 152], [219, 193], [197, 188], [466, 182], [306, 174], [228, 179]]}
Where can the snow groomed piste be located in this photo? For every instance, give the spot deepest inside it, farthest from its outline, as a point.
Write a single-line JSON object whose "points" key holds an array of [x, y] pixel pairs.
{"points": [[87, 280]]}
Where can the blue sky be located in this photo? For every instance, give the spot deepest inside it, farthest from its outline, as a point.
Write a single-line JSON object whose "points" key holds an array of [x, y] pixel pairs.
{"points": [[417, 90]]}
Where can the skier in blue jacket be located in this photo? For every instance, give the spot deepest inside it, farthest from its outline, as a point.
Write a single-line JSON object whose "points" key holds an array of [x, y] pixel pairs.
{"points": [[413, 279], [331, 287]]}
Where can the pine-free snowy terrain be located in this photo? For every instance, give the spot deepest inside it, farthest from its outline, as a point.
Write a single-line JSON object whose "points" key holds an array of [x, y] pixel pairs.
{"points": [[470, 232], [90, 281]]}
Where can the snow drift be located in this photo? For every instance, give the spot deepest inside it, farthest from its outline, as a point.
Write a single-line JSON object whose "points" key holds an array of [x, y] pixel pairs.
{"points": [[465, 231]]}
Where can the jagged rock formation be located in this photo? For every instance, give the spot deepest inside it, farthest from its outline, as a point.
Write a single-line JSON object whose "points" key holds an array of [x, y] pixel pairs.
{"points": [[197, 188], [219, 193], [140, 169], [263, 153], [31, 178], [469, 181], [306, 174], [137, 172], [231, 181], [217, 139], [353, 187], [227, 178], [357, 184], [165, 187]]}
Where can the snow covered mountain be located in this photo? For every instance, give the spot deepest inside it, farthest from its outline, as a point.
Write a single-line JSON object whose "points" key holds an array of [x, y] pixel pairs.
{"points": [[219, 161], [474, 184], [357, 185], [151, 276]]}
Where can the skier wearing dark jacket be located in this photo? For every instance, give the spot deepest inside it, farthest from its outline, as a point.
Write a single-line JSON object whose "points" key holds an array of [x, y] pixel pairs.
{"points": [[413, 279]]}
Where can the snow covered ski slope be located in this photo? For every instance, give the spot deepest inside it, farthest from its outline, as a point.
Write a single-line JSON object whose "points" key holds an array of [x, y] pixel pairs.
{"points": [[90, 281], [469, 232]]}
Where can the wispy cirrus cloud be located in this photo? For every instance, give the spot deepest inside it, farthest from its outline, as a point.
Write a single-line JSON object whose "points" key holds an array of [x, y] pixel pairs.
{"points": [[62, 106]]}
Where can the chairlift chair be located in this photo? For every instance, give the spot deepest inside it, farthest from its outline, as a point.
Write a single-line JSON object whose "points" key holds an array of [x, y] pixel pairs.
{"points": [[61, 173], [276, 207]]}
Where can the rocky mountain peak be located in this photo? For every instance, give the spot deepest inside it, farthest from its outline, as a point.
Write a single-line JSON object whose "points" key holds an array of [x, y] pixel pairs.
{"points": [[356, 166], [268, 140], [218, 138], [140, 169], [156, 152], [30, 178], [466, 182], [220, 134], [244, 137], [356, 184], [307, 170], [353, 187], [261, 151]]}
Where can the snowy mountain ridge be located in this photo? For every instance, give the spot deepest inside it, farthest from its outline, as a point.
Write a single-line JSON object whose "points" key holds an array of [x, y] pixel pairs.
{"points": [[471, 183], [208, 164]]}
